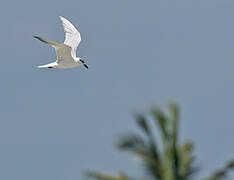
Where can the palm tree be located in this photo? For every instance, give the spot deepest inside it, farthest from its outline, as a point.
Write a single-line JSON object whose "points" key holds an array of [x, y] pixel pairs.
{"points": [[173, 161]]}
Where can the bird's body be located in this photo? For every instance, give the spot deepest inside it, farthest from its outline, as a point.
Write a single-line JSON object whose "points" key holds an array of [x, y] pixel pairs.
{"points": [[66, 52], [60, 65]]}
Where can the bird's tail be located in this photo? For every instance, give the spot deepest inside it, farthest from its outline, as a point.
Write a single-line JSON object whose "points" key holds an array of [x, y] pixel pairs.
{"points": [[51, 65]]}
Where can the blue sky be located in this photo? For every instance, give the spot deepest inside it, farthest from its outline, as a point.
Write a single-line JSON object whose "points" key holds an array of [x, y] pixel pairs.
{"points": [[57, 123]]}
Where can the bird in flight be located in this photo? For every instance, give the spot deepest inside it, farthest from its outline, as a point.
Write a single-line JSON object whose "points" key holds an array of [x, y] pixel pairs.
{"points": [[66, 52]]}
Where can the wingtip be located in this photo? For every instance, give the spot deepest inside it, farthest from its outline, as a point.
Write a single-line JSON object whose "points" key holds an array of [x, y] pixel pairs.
{"points": [[37, 37], [61, 17]]}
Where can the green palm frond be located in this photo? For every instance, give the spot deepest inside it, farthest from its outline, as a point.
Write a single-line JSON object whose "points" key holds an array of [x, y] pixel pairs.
{"points": [[174, 118], [103, 176], [135, 145], [151, 142], [142, 123], [144, 151], [222, 173], [186, 159], [169, 160], [131, 141], [161, 121]]}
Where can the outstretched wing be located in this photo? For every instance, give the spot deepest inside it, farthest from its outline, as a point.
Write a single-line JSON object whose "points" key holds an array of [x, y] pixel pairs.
{"points": [[63, 51], [72, 35], [52, 43]]}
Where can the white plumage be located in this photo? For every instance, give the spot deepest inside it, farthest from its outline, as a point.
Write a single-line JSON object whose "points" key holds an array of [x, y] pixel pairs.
{"points": [[72, 36], [66, 52]]}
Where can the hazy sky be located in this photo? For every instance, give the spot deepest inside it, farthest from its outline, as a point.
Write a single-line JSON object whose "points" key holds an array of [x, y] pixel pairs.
{"points": [[57, 123]]}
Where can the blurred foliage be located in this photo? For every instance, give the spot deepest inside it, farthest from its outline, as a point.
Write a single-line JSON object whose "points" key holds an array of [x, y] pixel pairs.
{"points": [[167, 160], [102, 176]]}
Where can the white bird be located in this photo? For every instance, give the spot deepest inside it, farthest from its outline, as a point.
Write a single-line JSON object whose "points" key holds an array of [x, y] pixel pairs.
{"points": [[66, 52]]}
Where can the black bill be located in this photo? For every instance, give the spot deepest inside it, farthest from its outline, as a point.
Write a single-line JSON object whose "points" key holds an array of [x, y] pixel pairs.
{"points": [[86, 66]]}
